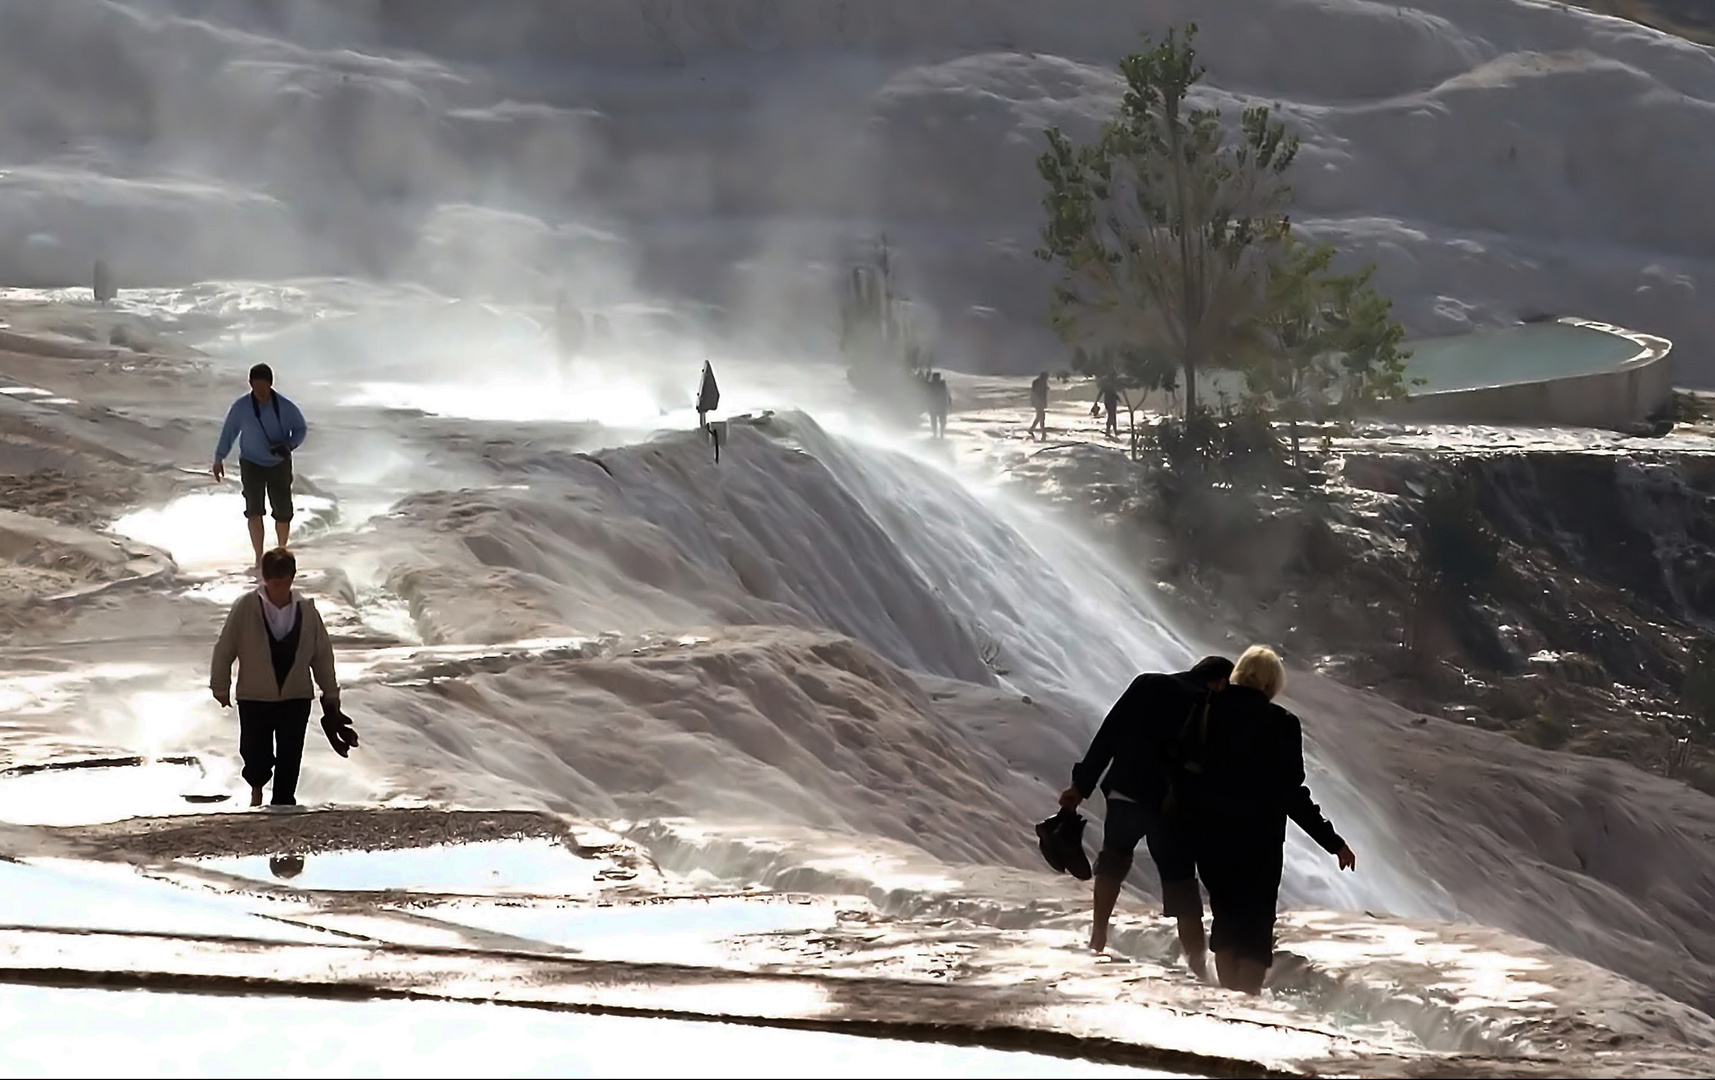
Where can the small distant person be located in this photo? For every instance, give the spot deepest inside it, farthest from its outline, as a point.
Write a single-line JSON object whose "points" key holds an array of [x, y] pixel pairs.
{"points": [[1039, 402], [1252, 780], [279, 642], [268, 427], [940, 405], [1111, 403], [1130, 748], [102, 283]]}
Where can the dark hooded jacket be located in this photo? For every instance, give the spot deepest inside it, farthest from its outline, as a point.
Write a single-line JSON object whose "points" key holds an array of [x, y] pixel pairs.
{"points": [[1129, 746]]}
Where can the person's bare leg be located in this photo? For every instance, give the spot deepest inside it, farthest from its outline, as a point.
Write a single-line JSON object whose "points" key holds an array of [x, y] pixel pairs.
{"points": [[1196, 946], [282, 529], [1252, 974], [1107, 893], [1227, 968], [1240, 973], [255, 524], [255, 796]]}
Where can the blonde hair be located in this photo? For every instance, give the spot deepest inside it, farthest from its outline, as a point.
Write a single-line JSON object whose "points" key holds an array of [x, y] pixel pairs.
{"points": [[1260, 669]]}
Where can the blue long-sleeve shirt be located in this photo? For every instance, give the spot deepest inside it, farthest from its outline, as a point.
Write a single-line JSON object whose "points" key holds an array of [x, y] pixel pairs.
{"points": [[257, 427]]}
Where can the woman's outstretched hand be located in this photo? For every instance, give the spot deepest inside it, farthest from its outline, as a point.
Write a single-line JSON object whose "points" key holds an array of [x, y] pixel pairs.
{"points": [[1348, 858]]}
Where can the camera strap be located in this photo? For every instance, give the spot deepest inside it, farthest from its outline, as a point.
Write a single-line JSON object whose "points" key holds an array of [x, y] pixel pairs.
{"points": [[274, 400]]}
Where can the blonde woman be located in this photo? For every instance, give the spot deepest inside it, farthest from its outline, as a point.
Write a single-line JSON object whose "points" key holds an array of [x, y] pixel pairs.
{"points": [[1251, 753]]}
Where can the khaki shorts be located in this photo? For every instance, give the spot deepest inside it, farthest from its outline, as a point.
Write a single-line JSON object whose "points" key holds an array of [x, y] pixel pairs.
{"points": [[272, 481]]}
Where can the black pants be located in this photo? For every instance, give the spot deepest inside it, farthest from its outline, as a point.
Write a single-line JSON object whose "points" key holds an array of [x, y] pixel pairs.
{"points": [[1241, 863], [271, 742], [1170, 845]]}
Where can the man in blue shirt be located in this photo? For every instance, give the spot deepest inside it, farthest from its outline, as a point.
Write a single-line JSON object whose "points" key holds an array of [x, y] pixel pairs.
{"points": [[267, 427]]}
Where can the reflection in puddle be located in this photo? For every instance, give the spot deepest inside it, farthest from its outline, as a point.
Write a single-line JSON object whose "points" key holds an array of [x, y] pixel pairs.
{"points": [[688, 931], [47, 1031], [541, 867]]}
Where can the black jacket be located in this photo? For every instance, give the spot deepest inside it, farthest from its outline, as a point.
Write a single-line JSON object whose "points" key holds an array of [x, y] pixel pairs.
{"points": [[1253, 769], [1131, 739]]}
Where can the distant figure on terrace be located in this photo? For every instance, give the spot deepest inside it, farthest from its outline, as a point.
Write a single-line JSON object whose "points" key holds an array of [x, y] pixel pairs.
{"points": [[267, 427], [1250, 779], [279, 642], [1111, 403], [1128, 759], [1039, 402], [940, 405]]}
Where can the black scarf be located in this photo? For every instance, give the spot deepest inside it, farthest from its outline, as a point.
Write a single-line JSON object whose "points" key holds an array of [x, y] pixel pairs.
{"points": [[283, 651]]}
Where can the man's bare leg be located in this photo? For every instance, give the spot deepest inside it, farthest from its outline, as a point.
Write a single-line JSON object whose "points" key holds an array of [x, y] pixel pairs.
{"points": [[255, 524], [255, 796], [1107, 893], [1196, 946], [1240, 973], [282, 529]]}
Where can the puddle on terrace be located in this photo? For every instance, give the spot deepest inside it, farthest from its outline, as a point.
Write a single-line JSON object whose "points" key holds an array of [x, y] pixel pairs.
{"points": [[206, 530], [679, 931], [101, 793], [47, 1031], [66, 893], [537, 867]]}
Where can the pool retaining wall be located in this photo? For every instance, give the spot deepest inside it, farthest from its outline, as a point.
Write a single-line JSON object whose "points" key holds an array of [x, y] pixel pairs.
{"points": [[1619, 398]]}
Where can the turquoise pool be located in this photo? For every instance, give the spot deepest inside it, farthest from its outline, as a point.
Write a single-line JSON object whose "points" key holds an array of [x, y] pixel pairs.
{"points": [[1517, 354]]}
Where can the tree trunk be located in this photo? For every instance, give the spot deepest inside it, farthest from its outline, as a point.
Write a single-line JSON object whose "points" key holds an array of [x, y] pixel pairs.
{"points": [[1292, 426]]}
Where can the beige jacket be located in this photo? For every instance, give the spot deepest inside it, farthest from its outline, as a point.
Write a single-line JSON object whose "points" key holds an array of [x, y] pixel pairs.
{"points": [[244, 638]]}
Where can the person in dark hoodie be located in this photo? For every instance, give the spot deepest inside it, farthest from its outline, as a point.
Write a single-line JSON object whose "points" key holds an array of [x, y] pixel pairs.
{"points": [[1131, 748], [1250, 753]]}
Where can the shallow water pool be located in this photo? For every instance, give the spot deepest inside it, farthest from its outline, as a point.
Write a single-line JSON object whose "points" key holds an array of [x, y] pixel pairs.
{"points": [[536, 866]]}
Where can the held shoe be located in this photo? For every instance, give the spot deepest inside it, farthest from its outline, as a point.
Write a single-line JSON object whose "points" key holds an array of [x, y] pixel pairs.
{"points": [[1061, 839], [337, 726]]}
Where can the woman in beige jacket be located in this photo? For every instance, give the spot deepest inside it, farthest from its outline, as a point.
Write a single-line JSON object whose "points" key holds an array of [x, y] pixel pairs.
{"points": [[278, 639]]}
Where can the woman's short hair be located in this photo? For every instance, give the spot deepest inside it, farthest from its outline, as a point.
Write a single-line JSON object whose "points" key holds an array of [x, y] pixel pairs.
{"points": [[1260, 669]]}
